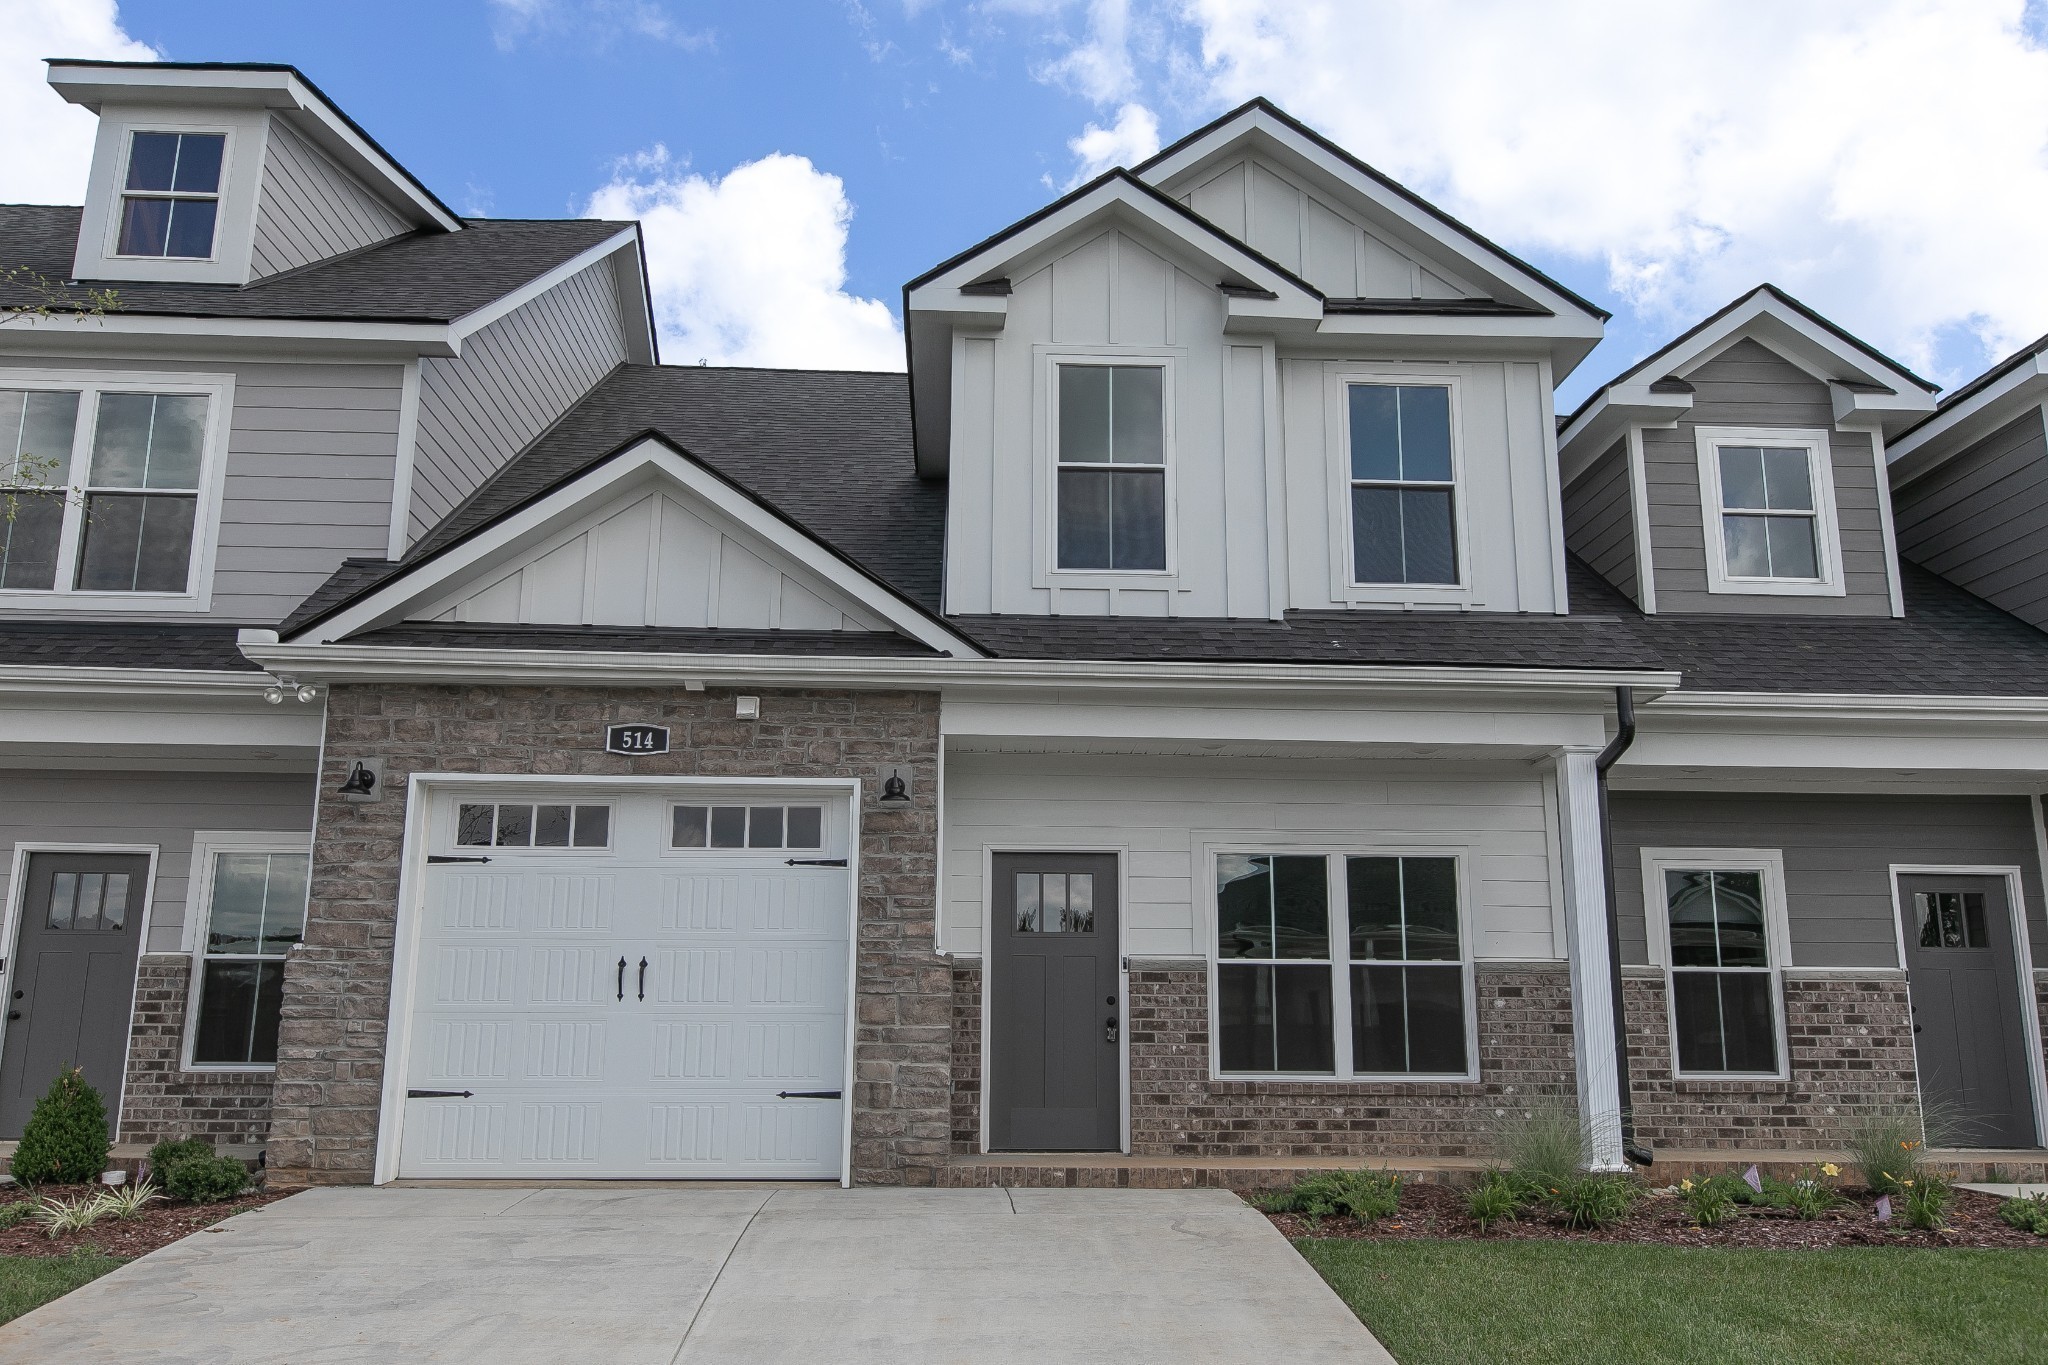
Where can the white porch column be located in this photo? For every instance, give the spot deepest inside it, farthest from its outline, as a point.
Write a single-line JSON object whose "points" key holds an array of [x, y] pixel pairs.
{"points": [[1585, 928]]}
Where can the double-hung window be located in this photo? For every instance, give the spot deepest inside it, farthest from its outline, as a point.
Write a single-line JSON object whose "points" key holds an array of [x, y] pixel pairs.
{"points": [[1769, 499], [1111, 466], [103, 486], [1719, 932], [1344, 966], [1403, 484], [254, 911], [170, 198]]}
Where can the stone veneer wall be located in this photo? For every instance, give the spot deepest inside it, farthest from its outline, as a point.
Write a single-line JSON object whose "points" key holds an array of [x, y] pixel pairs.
{"points": [[1851, 1052], [161, 1099], [337, 985]]}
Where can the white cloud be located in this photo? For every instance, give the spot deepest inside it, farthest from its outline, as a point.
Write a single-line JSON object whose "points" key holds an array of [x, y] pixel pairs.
{"points": [[1101, 67], [1886, 160], [750, 268], [49, 142], [603, 22], [1133, 137]]}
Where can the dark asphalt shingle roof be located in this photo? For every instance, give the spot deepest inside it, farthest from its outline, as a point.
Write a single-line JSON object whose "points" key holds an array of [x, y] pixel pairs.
{"points": [[868, 644], [425, 277], [105, 644]]}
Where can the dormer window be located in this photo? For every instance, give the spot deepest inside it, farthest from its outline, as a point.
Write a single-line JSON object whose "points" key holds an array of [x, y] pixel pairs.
{"points": [[1768, 496], [171, 196], [1112, 467], [1404, 527]]}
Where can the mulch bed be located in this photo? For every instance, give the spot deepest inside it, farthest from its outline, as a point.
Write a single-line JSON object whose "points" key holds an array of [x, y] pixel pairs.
{"points": [[160, 1223], [1438, 1211]]}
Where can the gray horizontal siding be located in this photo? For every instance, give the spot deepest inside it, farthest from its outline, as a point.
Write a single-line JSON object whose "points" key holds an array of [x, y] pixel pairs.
{"points": [[309, 209], [1981, 518], [312, 451], [1838, 853], [163, 809], [1599, 520], [513, 378], [1748, 386]]}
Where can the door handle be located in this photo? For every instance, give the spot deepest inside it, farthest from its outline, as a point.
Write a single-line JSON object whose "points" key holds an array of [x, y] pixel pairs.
{"points": [[1109, 1030], [643, 978], [14, 1014], [622, 978]]}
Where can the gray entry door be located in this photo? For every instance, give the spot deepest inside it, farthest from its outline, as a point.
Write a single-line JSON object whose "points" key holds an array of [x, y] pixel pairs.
{"points": [[74, 977], [1967, 1032], [1053, 1004]]}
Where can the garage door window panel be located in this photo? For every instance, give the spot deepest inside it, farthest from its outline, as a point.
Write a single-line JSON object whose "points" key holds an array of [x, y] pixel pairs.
{"points": [[532, 824], [714, 827]]}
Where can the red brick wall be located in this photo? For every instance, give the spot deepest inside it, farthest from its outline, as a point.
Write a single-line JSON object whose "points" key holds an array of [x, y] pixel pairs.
{"points": [[227, 1108], [966, 1055], [1851, 1053], [331, 1048]]}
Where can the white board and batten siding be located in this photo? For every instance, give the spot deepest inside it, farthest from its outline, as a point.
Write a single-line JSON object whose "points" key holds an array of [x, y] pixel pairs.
{"points": [[311, 454], [514, 377], [309, 209], [1165, 811], [655, 557], [1302, 231], [160, 809]]}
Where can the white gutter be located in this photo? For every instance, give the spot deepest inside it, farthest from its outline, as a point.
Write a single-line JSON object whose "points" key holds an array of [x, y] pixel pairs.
{"points": [[364, 663], [1846, 706], [55, 680]]}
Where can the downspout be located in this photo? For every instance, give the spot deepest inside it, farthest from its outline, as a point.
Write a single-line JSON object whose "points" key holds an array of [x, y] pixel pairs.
{"points": [[1624, 735]]}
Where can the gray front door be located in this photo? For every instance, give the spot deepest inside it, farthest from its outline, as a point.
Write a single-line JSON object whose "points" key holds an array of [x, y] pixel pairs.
{"points": [[1053, 1004], [1967, 1033], [74, 977]]}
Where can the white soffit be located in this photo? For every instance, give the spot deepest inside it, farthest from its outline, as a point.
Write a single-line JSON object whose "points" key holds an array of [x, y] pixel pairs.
{"points": [[477, 560]]}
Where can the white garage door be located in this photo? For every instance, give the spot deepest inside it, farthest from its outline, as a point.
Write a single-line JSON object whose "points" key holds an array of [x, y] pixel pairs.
{"points": [[630, 983]]}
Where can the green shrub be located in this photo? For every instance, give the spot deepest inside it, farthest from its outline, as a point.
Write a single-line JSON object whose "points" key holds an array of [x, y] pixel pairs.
{"points": [[1365, 1195], [1497, 1198], [16, 1212], [206, 1180], [65, 1142], [126, 1202], [2028, 1214], [1711, 1201], [1809, 1198], [1594, 1201], [171, 1151], [1542, 1144], [1926, 1201], [59, 1216]]}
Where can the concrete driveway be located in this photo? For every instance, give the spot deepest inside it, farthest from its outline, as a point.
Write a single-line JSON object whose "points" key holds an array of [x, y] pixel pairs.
{"points": [[730, 1274]]}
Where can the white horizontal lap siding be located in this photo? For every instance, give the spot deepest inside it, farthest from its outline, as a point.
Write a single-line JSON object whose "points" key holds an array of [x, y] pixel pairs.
{"points": [[163, 809], [309, 209], [1163, 810], [513, 378], [311, 451]]}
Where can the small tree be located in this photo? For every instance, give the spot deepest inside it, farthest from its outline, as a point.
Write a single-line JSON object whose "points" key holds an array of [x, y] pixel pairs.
{"points": [[65, 1142]]}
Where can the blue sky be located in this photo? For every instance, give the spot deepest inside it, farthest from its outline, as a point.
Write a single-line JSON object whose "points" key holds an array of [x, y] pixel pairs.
{"points": [[1886, 160]]}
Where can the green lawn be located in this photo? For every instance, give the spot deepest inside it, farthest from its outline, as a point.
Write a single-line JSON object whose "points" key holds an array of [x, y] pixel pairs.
{"points": [[1463, 1303], [31, 1281]]}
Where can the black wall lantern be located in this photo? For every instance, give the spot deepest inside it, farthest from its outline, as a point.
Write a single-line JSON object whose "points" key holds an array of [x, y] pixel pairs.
{"points": [[365, 780], [895, 785]]}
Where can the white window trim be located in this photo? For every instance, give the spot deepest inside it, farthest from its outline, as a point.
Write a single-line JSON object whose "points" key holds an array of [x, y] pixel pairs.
{"points": [[1340, 960], [1827, 526], [234, 229], [1343, 587], [206, 844], [1777, 936], [1049, 358], [219, 390], [118, 210]]}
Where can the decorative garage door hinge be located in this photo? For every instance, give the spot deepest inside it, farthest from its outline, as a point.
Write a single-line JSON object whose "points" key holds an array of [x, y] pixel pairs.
{"points": [[437, 1094], [807, 1094], [456, 858], [814, 862]]}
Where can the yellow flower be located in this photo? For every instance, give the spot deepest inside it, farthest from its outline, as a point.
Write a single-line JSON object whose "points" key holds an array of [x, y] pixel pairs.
{"points": [[1830, 1168], [1907, 1183], [1685, 1184]]}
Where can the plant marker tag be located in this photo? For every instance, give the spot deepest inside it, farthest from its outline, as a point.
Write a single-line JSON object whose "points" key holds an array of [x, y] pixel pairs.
{"points": [[1755, 1181], [1884, 1209]]}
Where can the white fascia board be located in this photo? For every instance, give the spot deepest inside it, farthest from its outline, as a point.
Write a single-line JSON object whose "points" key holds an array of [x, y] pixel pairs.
{"points": [[1393, 719], [1801, 341], [96, 86], [1423, 229], [1113, 199], [1614, 411], [408, 338], [1962, 423], [477, 320], [50, 680], [345, 662], [434, 578], [1832, 706]]}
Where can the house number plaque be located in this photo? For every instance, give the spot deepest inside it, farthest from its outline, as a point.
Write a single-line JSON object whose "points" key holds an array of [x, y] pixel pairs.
{"points": [[636, 739]]}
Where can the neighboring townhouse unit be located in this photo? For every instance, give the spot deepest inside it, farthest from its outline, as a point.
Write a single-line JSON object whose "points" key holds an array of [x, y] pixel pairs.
{"points": [[1209, 708]]}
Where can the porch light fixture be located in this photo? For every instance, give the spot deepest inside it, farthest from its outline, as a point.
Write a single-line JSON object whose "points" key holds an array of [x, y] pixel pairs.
{"points": [[895, 786], [285, 687], [361, 782]]}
